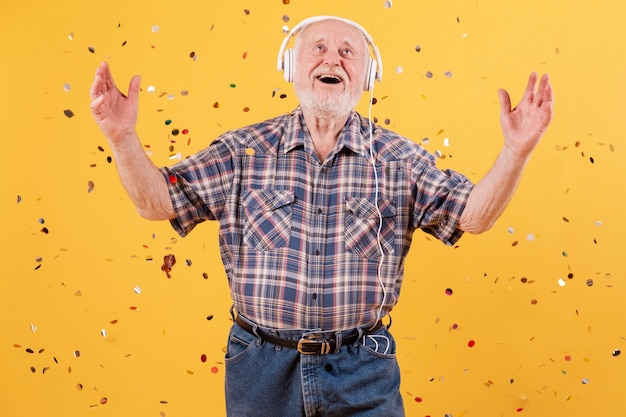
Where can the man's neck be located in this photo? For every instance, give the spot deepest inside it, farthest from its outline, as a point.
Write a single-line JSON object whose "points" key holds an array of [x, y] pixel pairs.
{"points": [[324, 130]]}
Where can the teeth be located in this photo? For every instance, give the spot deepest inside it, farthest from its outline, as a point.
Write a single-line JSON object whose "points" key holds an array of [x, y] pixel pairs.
{"points": [[329, 79]]}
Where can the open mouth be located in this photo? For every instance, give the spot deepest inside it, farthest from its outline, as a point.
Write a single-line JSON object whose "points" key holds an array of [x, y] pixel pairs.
{"points": [[329, 79]]}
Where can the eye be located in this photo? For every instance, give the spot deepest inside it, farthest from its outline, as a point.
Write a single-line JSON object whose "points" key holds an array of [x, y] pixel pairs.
{"points": [[346, 52], [319, 47]]}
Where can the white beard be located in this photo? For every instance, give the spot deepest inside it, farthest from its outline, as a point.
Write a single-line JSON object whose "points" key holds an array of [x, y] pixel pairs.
{"points": [[327, 103]]}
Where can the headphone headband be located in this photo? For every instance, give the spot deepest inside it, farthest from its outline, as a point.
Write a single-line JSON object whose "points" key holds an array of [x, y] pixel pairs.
{"points": [[280, 64]]}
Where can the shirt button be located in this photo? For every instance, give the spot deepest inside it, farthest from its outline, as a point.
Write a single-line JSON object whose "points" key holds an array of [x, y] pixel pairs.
{"points": [[317, 252], [314, 296], [319, 210]]}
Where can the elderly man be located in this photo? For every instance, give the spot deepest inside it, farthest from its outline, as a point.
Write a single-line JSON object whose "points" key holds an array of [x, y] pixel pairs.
{"points": [[317, 209]]}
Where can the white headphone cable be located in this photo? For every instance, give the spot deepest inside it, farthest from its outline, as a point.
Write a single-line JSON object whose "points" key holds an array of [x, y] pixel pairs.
{"points": [[380, 216]]}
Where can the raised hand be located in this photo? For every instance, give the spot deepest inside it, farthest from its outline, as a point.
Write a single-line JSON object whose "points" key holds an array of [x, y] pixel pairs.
{"points": [[524, 125], [114, 111]]}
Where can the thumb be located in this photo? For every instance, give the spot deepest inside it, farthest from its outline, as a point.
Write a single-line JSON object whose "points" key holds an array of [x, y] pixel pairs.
{"points": [[505, 101], [134, 87]]}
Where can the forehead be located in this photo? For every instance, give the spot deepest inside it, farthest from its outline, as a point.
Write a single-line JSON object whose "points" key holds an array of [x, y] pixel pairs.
{"points": [[336, 30]]}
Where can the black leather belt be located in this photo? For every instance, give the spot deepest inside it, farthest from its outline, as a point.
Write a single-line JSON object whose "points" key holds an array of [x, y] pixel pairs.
{"points": [[310, 343]]}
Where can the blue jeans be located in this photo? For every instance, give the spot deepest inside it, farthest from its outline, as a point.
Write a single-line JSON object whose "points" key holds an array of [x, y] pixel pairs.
{"points": [[263, 379]]}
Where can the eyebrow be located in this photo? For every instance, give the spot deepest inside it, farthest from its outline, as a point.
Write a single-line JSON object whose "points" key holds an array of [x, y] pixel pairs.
{"points": [[348, 42]]}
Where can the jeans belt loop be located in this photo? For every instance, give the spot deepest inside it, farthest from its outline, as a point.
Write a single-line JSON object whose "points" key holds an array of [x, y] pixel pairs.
{"points": [[338, 341]]}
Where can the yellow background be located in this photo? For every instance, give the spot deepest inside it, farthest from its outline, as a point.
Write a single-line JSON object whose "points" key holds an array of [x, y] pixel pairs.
{"points": [[111, 335]]}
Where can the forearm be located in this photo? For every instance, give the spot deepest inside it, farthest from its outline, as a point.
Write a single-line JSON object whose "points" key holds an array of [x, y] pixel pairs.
{"points": [[493, 193], [142, 180]]}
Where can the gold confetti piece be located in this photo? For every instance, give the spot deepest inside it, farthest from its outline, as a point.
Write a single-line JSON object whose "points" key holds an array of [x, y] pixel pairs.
{"points": [[249, 151], [90, 186]]}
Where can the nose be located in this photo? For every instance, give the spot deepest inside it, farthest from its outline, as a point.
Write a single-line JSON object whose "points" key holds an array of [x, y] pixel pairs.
{"points": [[332, 57]]}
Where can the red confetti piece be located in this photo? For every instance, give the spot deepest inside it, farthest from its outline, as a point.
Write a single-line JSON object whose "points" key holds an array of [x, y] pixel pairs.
{"points": [[203, 358], [173, 179], [449, 291], [214, 370], [471, 343], [418, 399]]}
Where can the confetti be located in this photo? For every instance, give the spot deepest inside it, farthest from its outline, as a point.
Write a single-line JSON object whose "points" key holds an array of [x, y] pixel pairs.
{"points": [[449, 291], [155, 28], [68, 113], [471, 343], [90, 186], [388, 4], [168, 263]]}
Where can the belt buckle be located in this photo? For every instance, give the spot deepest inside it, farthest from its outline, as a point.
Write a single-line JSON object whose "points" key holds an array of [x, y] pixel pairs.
{"points": [[312, 344]]}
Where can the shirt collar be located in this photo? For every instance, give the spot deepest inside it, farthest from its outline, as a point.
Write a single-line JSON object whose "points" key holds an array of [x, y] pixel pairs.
{"points": [[354, 135]]}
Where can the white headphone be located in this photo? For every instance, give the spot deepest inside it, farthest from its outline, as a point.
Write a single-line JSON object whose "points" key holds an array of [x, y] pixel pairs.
{"points": [[286, 57]]}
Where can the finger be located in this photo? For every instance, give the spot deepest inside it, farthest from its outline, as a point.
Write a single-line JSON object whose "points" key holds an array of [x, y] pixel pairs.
{"points": [[94, 91], [96, 106], [134, 88], [505, 101], [544, 92], [529, 94]]}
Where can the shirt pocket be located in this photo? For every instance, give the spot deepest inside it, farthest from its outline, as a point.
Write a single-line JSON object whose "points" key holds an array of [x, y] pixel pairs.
{"points": [[361, 227], [268, 218]]}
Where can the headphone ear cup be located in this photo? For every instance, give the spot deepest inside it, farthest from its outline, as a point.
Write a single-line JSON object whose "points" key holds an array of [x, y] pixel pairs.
{"points": [[370, 76], [288, 64]]}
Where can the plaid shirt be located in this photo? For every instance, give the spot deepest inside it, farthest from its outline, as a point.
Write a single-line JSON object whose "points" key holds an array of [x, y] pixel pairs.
{"points": [[299, 237]]}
